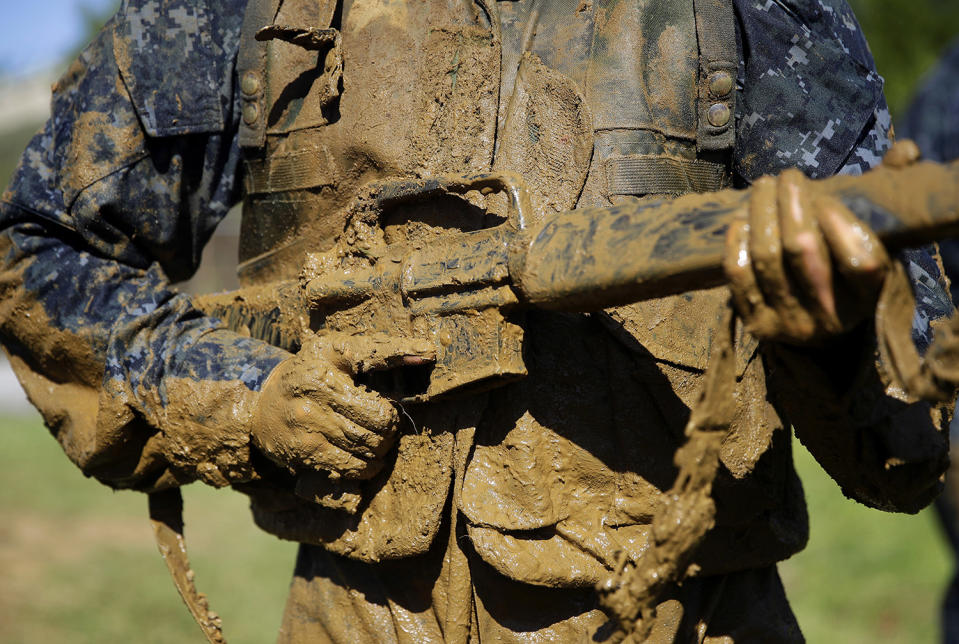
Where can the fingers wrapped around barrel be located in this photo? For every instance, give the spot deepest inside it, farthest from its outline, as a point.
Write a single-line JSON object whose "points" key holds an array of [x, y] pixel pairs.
{"points": [[801, 266]]}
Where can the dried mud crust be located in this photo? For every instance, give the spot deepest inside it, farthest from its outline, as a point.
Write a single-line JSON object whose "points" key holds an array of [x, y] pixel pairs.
{"points": [[547, 137]]}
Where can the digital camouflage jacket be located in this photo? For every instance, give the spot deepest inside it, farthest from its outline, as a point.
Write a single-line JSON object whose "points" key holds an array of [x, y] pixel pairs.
{"points": [[116, 196]]}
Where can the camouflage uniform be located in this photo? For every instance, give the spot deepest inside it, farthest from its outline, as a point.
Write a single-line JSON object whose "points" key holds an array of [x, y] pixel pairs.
{"points": [[931, 123], [115, 198], [930, 120]]}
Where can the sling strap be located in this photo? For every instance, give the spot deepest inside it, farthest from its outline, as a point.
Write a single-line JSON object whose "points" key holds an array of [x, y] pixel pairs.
{"points": [[718, 67], [166, 517]]}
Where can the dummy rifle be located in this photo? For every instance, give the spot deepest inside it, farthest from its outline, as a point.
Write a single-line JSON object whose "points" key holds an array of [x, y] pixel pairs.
{"points": [[462, 290]]}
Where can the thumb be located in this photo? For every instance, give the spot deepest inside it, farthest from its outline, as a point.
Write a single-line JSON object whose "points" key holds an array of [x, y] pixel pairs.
{"points": [[903, 153], [357, 354]]}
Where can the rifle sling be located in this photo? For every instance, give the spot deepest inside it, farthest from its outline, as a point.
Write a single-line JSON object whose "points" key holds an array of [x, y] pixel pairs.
{"points": [[166, 517]]}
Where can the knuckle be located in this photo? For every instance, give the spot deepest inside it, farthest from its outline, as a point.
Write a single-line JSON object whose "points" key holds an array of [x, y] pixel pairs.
{"points": [[790, 177], [363, 452], [362, 470], [869, 266], [764, 323], [801, 245], [764, 191], [374, 413], [737, 272], [387, 418], [801, 328], [765, 181], [382, 445], [345, 462], [301, 412], [767, 256]]}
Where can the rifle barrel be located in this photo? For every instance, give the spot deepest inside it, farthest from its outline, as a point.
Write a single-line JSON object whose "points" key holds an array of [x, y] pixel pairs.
{"points": [[595, 258]]}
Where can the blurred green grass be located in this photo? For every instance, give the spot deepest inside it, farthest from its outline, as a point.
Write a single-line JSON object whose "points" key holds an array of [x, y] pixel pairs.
{"points": [[907, 37], [78, 563], [866, 576]]}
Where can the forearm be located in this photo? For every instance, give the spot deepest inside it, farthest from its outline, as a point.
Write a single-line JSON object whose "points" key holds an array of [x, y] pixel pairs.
{"points": [[140, 389], [112, 200]]}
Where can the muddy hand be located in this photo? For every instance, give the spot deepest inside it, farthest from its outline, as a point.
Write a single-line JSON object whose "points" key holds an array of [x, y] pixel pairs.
{"points": [[311, 415], [800, 266]]}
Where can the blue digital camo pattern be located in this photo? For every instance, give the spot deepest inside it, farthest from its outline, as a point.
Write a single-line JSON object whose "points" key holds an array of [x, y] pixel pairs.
{"points": [[101, 268], [139, 162], [149, 28], [813, 100], [932, 299], [144, 330], [811, 88], [932, 121]]}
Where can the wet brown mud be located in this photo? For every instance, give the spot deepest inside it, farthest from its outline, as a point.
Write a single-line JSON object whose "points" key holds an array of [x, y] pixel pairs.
{"points": [[366, 284], [510, 455], [445, 288]]}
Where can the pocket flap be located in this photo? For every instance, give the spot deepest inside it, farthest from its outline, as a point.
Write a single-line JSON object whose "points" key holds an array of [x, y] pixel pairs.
{"points": [[678, 329], [164, 50]]}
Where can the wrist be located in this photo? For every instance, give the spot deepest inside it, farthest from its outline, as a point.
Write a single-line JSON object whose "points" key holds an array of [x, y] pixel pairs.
{"points": [[207, 430]]}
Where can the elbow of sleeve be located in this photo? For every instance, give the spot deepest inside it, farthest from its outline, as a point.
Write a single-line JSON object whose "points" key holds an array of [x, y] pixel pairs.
{"points": [[119, 458], [902, 461]]}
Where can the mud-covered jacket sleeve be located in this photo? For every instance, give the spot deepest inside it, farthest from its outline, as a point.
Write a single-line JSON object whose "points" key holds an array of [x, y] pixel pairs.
{"points": [[883, 449], [112, 200]]}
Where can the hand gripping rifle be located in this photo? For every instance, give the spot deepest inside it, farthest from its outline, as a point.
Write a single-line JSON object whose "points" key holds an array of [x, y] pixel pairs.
{"points": [[464, 290], [461, 290]]}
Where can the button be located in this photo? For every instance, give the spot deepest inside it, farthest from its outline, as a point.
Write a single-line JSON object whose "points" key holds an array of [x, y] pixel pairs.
{"points": [[249, 84], [251, 113], [445, 337], [718, 114], [720, 84]]}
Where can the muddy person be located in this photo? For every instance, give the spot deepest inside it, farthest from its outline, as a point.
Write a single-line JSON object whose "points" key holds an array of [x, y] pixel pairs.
{"points": [[492, 516]]}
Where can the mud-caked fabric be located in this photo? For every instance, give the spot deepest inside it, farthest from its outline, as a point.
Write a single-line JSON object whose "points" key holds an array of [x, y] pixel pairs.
{"points": [[749, 606], [116, 197], [112, 200], [554, 522]]}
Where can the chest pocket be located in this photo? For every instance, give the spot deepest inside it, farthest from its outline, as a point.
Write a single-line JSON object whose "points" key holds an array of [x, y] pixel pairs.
{"points": [[678, 329], [150, 39], [662, 91]]}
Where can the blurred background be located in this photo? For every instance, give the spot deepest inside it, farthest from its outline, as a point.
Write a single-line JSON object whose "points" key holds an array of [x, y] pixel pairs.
{"points": [[78, 563]]}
